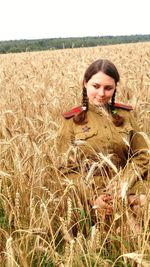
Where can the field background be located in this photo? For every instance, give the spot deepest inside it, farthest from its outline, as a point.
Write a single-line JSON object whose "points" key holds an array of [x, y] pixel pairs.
{"points": [[35, 87]]}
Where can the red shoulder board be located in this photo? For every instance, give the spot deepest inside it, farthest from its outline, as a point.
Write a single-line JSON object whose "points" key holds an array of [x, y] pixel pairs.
{"points": [[123, 106], [72, 112]]}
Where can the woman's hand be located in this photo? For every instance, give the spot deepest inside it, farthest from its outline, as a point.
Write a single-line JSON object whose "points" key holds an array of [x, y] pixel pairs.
{"points": [[103, 204], [137, 203]]}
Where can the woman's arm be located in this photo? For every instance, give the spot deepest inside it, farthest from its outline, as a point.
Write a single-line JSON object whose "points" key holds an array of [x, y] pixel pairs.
{"points": [[139, 157], [65, 136], [66, 150]]}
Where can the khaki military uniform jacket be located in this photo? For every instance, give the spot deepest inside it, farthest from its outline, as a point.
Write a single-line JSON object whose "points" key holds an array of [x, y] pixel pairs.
{"points": [[101, 151]]}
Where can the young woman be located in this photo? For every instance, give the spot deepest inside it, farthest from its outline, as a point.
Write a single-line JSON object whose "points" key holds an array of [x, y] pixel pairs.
{"points": [[100, 145]]}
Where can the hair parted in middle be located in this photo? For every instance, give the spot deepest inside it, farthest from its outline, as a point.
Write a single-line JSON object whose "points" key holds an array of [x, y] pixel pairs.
{"points": [[108, 68]]}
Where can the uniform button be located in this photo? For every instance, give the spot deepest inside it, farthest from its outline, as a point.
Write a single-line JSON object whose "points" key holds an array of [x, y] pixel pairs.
{"points": [[105, 126]]}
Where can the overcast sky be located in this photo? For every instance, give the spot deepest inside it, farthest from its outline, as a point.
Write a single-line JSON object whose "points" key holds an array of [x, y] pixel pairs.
{"points": [[37, 19]]}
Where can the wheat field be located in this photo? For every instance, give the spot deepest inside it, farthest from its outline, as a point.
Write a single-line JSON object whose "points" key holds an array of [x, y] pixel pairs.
{"points": [[35, 88]]}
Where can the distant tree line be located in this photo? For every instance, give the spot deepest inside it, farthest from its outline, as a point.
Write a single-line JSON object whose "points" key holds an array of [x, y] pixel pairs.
{"points": [[62, 43]]}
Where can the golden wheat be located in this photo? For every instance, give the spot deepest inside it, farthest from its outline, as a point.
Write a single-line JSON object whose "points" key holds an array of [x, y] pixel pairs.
{"points": [[35, 88]]}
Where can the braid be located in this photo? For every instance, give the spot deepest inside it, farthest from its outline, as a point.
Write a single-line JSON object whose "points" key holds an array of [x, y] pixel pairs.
{"points": [[117, 119], [81, 117], [113, 101], [84, 99]]}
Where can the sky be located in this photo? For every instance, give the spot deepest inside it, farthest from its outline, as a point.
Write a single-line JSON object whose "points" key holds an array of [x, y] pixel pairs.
{"points": [[38, 19]]}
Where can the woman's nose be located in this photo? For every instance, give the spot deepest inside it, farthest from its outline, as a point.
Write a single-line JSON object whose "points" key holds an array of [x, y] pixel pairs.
{"points": [[101, 91]]}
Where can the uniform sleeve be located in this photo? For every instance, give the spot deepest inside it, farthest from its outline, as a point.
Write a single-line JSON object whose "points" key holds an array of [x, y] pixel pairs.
{"points": [[139, 158], [66, 150], [65, 136]]}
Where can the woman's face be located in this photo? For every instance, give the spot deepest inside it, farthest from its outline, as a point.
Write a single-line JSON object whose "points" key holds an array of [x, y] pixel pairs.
{"points": [[100, 88]]}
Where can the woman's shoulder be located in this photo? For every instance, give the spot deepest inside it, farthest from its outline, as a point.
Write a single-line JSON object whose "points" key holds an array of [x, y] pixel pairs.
{"points": [[123, 106], [129, 115], [122, 109], [72, 112]]}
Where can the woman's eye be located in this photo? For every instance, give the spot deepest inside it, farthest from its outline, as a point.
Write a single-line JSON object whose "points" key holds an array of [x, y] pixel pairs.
{"points": [[96, 86], [108, 88]]}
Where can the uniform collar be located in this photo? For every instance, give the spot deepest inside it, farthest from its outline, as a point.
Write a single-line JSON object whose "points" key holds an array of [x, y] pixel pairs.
{"points": [[101, 110]]}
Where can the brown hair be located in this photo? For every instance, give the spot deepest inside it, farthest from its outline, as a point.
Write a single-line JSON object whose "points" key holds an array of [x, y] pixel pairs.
{"points": [[108, 68]]}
